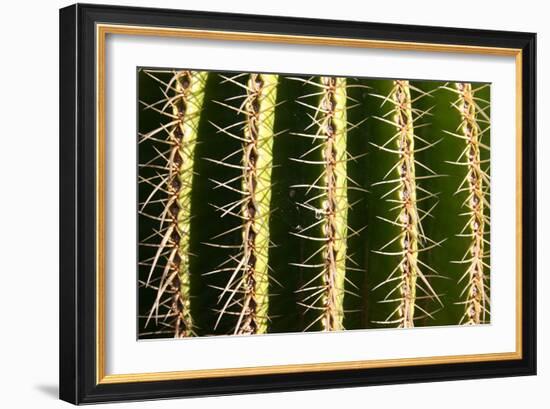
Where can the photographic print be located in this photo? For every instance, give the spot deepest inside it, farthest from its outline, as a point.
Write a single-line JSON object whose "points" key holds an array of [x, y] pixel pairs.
{"points": [[276, 203], [356, 198]]}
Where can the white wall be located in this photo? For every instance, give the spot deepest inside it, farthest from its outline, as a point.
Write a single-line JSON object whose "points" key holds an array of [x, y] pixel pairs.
{"points": [[29, 200]]}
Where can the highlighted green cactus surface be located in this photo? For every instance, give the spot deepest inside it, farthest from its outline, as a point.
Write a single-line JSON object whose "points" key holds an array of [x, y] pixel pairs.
{"points": [[273, 203]]}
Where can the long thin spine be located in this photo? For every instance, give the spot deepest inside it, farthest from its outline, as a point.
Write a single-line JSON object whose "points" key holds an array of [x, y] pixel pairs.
{"points": [[475, 305]]}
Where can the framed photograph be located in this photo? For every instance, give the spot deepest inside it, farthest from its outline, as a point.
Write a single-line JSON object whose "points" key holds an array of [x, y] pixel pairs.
{"points": [[257, 203]]}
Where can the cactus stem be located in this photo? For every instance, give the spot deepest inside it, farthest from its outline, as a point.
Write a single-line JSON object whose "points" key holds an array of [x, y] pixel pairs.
{"points": [[330, 120], [250, 278], [408, 216], [334, 123], [184, 95], [411, 239], [475, 203]]}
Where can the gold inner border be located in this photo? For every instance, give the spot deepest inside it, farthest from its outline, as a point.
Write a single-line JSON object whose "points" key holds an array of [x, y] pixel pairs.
{"points": [[101, 33]]}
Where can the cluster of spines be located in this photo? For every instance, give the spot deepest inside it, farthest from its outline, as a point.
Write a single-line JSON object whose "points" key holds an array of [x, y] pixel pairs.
{"points": [[408, 275], [171, 187], [246, 294], [474, 123], [328, 199]]}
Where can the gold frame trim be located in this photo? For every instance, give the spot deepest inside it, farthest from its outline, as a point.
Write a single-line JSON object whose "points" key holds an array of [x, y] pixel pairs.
{"points": [[101, 33]]}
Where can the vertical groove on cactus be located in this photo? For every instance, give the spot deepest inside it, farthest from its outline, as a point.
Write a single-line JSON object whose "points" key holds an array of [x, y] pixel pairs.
{"points": [[330, 189], [184, 95], [247, 288], [475, 184], [411, 238]]}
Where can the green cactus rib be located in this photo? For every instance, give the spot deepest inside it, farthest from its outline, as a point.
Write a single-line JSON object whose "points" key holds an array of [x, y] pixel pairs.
{"points": [[249, 282], [184, 96], [187, 107], [411, 239], [408, 216], [258, 159], [330, 188], [475, 291], [335, 203]]}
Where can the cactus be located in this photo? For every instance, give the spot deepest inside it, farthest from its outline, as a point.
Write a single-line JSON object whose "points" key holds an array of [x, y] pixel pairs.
{"points": [[411, 239], [181, 105], [328, 199], [475, 183], [231, 202], [247, 288]]}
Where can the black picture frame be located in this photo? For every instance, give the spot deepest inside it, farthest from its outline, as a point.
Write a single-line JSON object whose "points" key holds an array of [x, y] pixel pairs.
{"points": [[78, 197]]}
